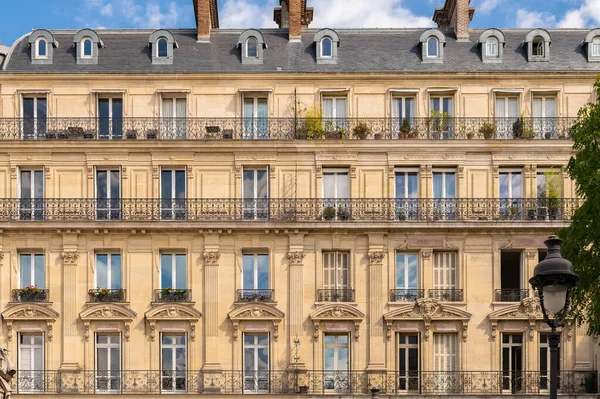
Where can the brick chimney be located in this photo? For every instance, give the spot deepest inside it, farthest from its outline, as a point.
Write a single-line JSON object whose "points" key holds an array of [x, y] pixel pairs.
{"points": [[293, 15], [207, 18], [455, 14]]}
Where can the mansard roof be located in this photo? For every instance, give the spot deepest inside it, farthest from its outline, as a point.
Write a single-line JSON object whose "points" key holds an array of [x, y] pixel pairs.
{"points": [[363, 51]]}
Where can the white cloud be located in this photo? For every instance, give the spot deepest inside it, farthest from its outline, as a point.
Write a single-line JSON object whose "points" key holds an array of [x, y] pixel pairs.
{"points": [[486, 6], [534, 19], [106, 10], [247, 13], [149, 15], [585, 16]]}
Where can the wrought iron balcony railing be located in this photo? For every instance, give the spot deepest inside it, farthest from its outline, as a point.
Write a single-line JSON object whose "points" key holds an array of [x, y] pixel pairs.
{"points": [[106, 295], [164, 128], [292, 382], [292, 209], [30, 294], [406, 295], [335, 295], [447, 294], [511, 295], [255, 295], [173, 295]]}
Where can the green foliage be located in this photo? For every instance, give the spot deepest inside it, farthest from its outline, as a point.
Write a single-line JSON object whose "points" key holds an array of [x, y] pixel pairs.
{"points": [[582, 239], [522, 129], [313, 128], [361, 130], [488, 130]]}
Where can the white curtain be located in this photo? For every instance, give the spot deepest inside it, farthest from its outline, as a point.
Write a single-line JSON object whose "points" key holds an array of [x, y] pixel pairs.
{"points": [[328, 108], [537, 108], [167, 108], [341, 109]]}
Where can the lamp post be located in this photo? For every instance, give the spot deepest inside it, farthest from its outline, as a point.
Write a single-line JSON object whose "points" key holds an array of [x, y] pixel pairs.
{"points": [[553, 278]]}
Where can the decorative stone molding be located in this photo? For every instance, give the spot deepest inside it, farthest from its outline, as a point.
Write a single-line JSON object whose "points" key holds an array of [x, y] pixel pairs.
{"points": [[70, 257], [353, 172], [319, 173], [427, 310], [426, 254], [461, 172], [296, 257], [528, 311], [338, 312], [155, 172], [30, 312], [272, 171], [173, 312], [376, 257], [531, 254], [107, 312], [238, 172], [496, 172], [391, 172], [212, 258], [256, 313], [124, 172]]}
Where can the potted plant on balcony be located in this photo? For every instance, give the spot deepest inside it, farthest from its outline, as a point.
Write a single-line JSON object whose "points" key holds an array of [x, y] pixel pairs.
{"points": [[313, 126], [405, 130], [169, 294], [343, 213], [31, 293], [438, 123], [553, 186], [522, 130], [361, 131], [328, 213], [488, 130], [333, 132]]}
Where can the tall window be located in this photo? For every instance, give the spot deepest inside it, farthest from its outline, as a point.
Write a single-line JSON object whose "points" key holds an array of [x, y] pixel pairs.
{"points": [[32, 270], [87, 47], [445, 361], [596, 47], [173, 362], [442, 105], [432, 47], [407, 277], [335, 112], [110, 118], [109, 271], [173, 271], [538, 46], [34, 113], [403, 107], [407, 194], [108, 194], [326, 47], [506, 113], [256, 363], [549, 184], [544, 116], [510, 182], [108, 362], [336, 353], [252, 47], [31, 362], [162, 47], [255, 275], [42, 48], [336, 194], [510, 277], [336, 277], [491, 47], [31, 200], [445, 276], [256, 193], [444, 192], [256, 118], [174, 118], [408, 362], [512, 362], [172, 194], [544, 359]]}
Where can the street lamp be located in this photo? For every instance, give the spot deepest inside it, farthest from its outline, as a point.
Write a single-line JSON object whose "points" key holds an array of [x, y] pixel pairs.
{"points": [[553, 278]]}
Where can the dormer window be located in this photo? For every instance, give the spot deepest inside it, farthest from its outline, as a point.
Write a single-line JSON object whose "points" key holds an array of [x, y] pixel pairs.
{"points": [[42, 48], [326, 42], [432, 47], [161, 43], [592, 40], [326, 47], [42, 43], [491, 47], [538, 45], [252, 45], [596, 47], [87, 44], [87, 47]]}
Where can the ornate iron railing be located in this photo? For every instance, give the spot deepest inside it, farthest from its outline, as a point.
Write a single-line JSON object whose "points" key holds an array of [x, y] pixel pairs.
{"points": [[447, 294], [106, 295], [173, 295], [255, 295], [30, 294], [511, 295], [335, 295], [406, 295], [163, 128], [313, 382], [292, 209]]}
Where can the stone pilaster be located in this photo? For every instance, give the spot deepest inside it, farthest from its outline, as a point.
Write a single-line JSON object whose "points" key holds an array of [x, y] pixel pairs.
{"points": [[376, 337], [211, 301], [295, 314], [70, 259]]}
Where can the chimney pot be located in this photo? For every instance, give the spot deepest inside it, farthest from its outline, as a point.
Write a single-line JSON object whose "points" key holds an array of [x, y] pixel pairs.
{"points": [[207, 18], [455, 14]]}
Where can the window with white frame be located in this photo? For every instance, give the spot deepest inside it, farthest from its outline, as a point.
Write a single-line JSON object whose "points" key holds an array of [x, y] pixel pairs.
{"points": [[110, 117], [86, 45], [32, 270], [445, 355], [109, 272], [336, 276], [31, 194], [432, 47], [41, 47], [512, 362], [335, 108], [548, 183], [407, 193], [510, 182], [596, 47], [31, 362], [544, 360], [407, 277], [441, 105], [336, 361], [174, 117], [403, 107], [538, 47], [108, 194], [162, 46], [173, 351], [445, 274], [255, 114], [326, 47], [408, 362], [108, 362], [252, 47], [444, 183], [172, 194], [544, 106], [255, 276], [256, 362], [491, 47], [173, 271], [34, 112], [336, 183], [255, 193], [507, 107]]}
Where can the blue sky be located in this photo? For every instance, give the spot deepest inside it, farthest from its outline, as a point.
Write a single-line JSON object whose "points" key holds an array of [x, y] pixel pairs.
{"points": [[20, 16]]}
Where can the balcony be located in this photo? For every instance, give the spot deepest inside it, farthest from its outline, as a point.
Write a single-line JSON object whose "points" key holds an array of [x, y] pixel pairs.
{"points": [[313, 382], [447, 294], [106, 295], [299, 210], [422, 128], [335, 295], [255, 295], [30, 294], [173, 295], [406, 295], [510, 295]]}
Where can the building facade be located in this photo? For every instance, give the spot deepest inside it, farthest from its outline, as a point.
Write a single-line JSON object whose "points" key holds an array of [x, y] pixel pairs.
{"points": [[287, 211]]}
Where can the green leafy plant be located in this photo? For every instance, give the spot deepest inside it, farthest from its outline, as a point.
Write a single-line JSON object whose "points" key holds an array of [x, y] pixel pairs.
{"points": [[343, 213], [488, 130], [361, 131], [406, 130], [522, 129], [438, 122], [313, 125], [553, 187], [328, 212]]}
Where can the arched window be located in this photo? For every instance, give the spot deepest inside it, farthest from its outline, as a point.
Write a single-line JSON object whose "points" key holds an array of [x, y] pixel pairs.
{"points": [[326, 47], [252, 47], [538, 46], [87, 47], [432, 47], [596, 47], [42, 50], [491, 47], [161, 47]]}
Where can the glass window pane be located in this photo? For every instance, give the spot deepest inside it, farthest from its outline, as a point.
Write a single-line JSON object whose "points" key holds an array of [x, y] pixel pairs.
{"points": [[432, 47], [102, 359], [168, 339], [249, 184], [249, 339], [167, 359], [326, 44], [42, 48], [328, 185], [438, 191], [263, 272], [516, 185], [412, 271], [115, 184], [248, 271], [101, 338], [249, 359], [341, 109], [25, 270], [26, 184], [252, 44], [166, 272], [329, 355], [162, 47], [101, 271], [180, 184], [342, 186], [400, 271], [115, 272], [41, 107], [329, 339], [101, 184], [262, 190], [342, 339], [28, 107], [181, 359], [166, 184], [87, 47], [400, 185], [103, 108], [328, 108], [450, 185], [263, 359], [115, 359], [413, 182], [181, 265], [38, 184], [409, 106], [503, 178]]}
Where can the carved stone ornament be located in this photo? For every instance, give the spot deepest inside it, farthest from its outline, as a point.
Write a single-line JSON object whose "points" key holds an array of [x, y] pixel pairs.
{"points": [[529, 311], [338, 312], [212, 258], [376, 258], [427, 310], [29, 312], [172, 312], [70, 257], [295, 258], [257, 312], [531, 254], [107, 312], [426, 254]]}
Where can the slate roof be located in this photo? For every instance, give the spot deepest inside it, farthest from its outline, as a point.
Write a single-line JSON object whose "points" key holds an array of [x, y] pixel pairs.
{"points": [[361, 51]]}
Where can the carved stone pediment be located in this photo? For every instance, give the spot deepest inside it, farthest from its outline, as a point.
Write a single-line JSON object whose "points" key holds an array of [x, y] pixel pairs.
{"points": [[173, 312], [336, 312], [256, 312], [107, 312], [30, 312], [529, 311], [428, 310]]}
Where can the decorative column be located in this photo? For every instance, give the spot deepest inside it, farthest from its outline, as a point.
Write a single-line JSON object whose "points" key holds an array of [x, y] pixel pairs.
{"points": [[69, 315], [376, 303], [295, 314], [211, 308]]}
